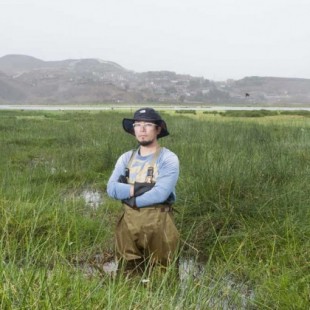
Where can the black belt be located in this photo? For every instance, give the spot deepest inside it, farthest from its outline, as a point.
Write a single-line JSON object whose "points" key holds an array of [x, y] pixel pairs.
{"points": [[162, 208]]}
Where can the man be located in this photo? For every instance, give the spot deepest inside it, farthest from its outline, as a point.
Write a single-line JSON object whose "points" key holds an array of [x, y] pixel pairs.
{"points": [[144, 180]]}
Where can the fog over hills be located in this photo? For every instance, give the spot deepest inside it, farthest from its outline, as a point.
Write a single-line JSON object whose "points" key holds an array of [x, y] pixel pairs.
{"points": [[27, 80]]}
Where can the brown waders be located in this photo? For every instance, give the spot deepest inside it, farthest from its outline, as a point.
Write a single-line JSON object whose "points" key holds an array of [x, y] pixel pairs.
{"points": [[146, 233]]}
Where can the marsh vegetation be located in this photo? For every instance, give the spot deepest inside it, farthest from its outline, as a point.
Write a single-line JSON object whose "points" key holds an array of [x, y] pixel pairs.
{"points": [[243, 202]]}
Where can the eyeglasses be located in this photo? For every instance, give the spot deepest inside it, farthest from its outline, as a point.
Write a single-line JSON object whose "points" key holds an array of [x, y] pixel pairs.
{"points": [[144, 125]]}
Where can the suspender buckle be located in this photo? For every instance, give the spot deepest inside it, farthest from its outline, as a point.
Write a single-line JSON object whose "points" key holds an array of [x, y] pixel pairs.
{"points": [[149, 175]]}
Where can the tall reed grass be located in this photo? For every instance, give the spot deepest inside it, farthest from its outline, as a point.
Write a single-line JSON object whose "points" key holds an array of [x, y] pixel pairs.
{"points": [[243, 202]]}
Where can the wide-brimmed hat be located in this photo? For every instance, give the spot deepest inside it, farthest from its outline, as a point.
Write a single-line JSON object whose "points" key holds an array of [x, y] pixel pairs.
{"points": [[146, 115]]}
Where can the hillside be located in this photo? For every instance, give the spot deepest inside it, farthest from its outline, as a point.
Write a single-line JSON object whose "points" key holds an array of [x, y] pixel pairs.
{"points": [[25, 79]]}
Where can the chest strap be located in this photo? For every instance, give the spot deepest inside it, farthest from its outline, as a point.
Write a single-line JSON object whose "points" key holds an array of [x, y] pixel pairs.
{"points": [[150, 170]]}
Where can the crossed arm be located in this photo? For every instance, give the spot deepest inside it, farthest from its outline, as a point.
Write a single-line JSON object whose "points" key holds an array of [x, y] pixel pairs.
{"points": [[168, 173]]}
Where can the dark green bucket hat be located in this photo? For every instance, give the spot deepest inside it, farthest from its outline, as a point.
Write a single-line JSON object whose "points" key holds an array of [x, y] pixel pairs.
{"points": [[146, 115]]}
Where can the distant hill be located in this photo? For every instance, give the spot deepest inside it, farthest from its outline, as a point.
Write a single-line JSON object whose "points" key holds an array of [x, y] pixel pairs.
{"points": [[15, 64], [25, 80]]}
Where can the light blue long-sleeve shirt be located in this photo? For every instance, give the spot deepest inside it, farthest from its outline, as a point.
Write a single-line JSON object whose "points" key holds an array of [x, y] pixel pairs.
{"points": [[168, 172]]}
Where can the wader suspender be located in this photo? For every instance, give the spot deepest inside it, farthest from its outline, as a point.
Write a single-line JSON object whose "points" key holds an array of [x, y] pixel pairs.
{"points": [[150, 170], [149, 175]]}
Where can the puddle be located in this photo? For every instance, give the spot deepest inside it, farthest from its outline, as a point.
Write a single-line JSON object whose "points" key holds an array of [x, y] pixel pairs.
{"points": [[226, 292], [98, 265], [92, 198], [189, 268], [108, 268]]}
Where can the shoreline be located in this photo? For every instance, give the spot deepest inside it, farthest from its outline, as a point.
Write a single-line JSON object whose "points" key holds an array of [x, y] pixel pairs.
{"points": [[130, 107]]}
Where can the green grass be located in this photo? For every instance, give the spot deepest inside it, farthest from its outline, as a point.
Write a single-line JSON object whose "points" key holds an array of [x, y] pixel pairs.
{"points": [[243, 202], [256, 113]]}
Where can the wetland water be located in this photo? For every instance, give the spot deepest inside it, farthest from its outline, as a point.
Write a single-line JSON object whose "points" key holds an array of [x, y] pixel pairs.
{"points": [[226, 292], [133, 107]]}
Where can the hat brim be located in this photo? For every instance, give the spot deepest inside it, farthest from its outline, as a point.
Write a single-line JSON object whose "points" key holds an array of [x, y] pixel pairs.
{"points": [[128, 127]]}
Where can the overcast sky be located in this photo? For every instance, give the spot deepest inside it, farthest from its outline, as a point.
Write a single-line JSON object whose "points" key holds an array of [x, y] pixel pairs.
{"points": [[216, 39]]}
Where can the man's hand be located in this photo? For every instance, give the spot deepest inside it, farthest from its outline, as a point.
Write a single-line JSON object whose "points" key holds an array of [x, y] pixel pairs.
{"points": [[130, 202], [141, 188], [122, 179], [135, 190]]}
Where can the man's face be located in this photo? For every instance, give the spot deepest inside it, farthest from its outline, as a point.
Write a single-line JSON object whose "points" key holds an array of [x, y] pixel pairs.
{"points": [[146, 132]]}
